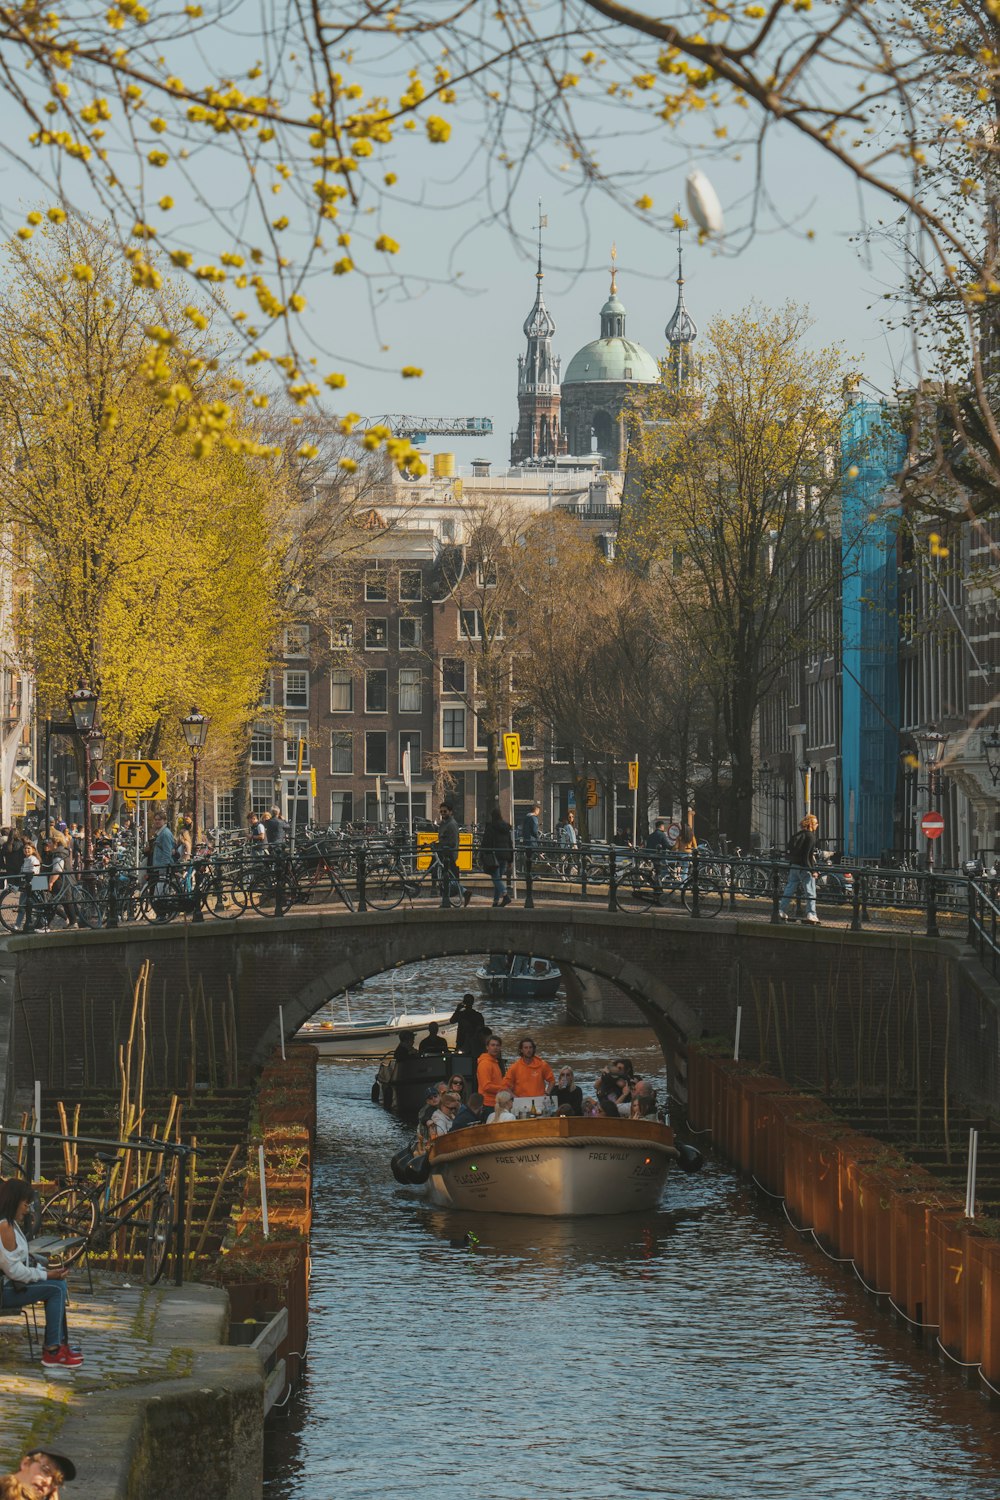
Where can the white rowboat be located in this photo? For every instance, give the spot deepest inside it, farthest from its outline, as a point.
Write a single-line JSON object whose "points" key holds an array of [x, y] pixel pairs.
{"points": [[368, 1039]]}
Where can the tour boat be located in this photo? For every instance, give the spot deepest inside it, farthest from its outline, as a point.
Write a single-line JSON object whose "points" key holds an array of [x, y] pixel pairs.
{"points": [[556, 1165], [365, 1039], [518, 976]]}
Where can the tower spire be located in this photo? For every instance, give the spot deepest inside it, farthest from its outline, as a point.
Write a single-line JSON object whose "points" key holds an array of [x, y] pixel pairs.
{"points": [[682, 330], [614, 270], [538, 371]]}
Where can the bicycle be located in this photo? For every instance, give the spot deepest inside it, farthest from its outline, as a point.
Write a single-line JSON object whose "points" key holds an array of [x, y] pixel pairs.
{"points": [[25, 909], [274, 883], [82, 1215], [390, 881], [646, 883]]}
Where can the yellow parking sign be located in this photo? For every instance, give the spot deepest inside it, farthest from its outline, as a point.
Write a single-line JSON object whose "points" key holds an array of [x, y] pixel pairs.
{"points": [[633, 775], [512, 751]]}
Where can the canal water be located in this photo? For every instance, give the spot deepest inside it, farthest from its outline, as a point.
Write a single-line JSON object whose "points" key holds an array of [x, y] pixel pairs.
{"points": [[698, 1353]]}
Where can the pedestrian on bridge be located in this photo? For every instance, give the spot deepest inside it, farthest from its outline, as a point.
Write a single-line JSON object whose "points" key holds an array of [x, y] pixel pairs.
{"points": [[802, 872]]}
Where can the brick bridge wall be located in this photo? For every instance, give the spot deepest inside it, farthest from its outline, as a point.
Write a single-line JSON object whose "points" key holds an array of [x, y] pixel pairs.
{"points": [[825, 1007]]}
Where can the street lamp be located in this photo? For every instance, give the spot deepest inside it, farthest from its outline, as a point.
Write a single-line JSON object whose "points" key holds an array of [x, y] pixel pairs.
{"points": [[195, 727], [83, 706], [805, 772], [991, 750], [931, 744]]}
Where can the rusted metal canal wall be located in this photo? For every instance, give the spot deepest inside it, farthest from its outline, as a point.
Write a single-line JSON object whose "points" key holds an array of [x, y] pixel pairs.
{"points": [[907, 1235]]}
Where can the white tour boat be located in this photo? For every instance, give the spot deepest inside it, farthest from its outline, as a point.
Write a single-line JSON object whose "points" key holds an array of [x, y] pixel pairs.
{"points": [[556, 1165], [372, 1039]]}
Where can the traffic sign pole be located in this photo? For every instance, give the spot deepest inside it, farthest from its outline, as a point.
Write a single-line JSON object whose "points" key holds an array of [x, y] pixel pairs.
{"points": [[634, 778]]}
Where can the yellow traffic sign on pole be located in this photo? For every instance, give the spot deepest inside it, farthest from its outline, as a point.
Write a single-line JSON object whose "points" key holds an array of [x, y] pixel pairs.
{"points": [[633, 775], [512, 751], [591, 791], [144, 779]]}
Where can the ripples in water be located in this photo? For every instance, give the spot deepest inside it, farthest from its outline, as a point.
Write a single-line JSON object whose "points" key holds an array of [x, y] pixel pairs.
{"points": [[699, 1353]]}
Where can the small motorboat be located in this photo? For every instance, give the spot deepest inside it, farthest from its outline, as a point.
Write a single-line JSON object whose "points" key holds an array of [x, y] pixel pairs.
{"points": [[518, 976], [367, 1039], [401, 1083], [554, 1166]]}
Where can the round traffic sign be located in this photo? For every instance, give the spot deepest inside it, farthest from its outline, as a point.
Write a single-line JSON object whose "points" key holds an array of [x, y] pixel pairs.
{"points": [[674, 832], [932, 825], [100, 793]]}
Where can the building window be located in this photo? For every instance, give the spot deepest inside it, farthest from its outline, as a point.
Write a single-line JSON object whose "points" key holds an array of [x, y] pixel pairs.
{"points": [[262, 744], [376, 635], [482, 733], [376, 587], [267, 695], [411, 586], [296, 730], [296, 689], [447, 531], [410, 690], [410, 737], [297, 640], [562, 754], [341, 808], [376, 753], [377, 691], [453, 729], [452, 675], [342, 635], [225, 810], [486, 574], [341, 753], [261, 794], [470, 623], [341, 691], [524, 726], [411, 635]]}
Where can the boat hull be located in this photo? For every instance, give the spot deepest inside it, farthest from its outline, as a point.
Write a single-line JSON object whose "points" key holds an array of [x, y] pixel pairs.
{"points": [[517, 987], [338, 1040], [561, 1167]]}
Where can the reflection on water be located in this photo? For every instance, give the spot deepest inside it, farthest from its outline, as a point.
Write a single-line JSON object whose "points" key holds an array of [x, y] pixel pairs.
{"points": [[698, 1353]]}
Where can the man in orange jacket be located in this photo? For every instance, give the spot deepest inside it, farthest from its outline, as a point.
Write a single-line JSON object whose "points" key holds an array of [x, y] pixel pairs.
{"points": [[489, 1074], [528, 1076]]}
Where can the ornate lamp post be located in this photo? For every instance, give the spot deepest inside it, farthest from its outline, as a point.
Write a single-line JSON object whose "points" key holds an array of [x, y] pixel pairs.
{"points": [[991, 750], [805, 771], [195, 727], [931, 744], [83, 706]]}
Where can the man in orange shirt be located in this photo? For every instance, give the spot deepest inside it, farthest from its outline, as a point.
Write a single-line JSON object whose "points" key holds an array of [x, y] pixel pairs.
{"points": [[489, 1074], [528, 1076]]}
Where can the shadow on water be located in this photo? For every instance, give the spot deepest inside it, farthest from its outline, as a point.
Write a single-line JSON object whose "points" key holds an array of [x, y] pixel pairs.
{"points": [[697, 1353]]}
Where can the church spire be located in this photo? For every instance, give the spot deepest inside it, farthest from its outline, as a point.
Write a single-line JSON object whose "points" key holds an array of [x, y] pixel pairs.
{"points": [[538, 375], [682, 330]]}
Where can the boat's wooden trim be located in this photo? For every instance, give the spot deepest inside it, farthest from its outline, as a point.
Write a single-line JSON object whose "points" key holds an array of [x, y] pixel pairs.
{"points": [[554, 1130]]}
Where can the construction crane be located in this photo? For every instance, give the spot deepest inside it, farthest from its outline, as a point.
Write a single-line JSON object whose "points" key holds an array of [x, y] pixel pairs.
{"points": [[419, 429]]}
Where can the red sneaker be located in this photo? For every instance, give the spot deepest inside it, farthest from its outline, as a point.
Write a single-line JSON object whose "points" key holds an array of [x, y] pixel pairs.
{"points": [[60, 1359]]}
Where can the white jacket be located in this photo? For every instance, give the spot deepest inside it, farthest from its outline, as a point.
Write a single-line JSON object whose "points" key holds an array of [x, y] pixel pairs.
{"points": [[16, 1264]]}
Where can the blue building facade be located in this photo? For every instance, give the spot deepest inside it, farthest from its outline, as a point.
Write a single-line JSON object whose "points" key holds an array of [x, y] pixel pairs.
{"points": [[872, 453]]}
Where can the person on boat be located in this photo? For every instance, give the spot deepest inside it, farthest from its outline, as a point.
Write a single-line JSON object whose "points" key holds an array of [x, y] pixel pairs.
{"points": [[472, 1027], [41, 1474], [489, 1072], [496, 854], [432, 1044], [442, 1119], [456, 1085], [644, 1101], [591, 1109], [614, 1091], [502, 1111], [405, 1046], [472, 1113], [529, 1075], [567, 1095]]}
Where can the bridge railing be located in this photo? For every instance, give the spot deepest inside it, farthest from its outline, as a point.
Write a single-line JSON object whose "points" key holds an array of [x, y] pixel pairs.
{"points": [[383, 873]]}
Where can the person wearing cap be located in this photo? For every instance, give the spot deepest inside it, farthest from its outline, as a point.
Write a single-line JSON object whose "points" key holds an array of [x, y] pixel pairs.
{"points": [[41, 1473]]}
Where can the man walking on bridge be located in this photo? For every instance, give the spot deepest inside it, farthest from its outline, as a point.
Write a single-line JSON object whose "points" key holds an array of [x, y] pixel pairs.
{"points": [[802, 872]]}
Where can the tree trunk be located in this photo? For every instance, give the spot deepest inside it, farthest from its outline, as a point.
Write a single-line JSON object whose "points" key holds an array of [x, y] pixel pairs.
{"points": [[492, 775]]}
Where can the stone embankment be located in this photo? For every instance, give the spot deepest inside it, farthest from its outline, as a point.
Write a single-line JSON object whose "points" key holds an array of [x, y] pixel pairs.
{"points": [[864, 1202]]}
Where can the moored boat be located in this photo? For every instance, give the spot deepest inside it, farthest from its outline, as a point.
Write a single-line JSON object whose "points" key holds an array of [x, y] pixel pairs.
{"points": [[559, 1165], [401, 1083], [368, 1039], [518, 976]]}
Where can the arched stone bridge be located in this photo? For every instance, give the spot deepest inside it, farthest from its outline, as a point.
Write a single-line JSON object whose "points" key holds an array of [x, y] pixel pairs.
{"points": [[823, 1005]]}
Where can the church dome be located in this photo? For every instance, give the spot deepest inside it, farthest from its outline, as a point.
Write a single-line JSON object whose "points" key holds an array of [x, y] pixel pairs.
{"points": [[612, 359]]}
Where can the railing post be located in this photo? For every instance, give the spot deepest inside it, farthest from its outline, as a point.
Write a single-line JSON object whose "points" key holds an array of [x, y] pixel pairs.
{"points": [[612, 877], [775, 895], [363, 879], [970, 893], [695, 886], [856, 899], [113, 897], [583, 874], [932, 926], [864, 899], [529, 881], [197, 915], [279, 883], [179, 1227]]}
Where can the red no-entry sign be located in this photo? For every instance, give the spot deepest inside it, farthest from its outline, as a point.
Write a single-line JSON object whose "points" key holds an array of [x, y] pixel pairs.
{"points": [[100, 793], [932, 825]]}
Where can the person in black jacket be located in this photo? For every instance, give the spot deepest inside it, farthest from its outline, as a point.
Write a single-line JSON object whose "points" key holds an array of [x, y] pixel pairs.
{"points": [[496, 854], [802, 871]]}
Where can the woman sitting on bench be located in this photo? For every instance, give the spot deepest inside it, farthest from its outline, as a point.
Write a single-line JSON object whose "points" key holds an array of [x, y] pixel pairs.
{"points": [[25, 1281]]}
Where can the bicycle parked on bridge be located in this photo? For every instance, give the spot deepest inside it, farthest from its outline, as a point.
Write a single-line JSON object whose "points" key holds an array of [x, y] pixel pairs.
{"points": [[392, 879], [83, 1216], [644, 883]]}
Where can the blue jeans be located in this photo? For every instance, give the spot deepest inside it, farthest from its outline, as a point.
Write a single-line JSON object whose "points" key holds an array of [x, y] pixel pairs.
{"points": [[799, 879], [498, 875], [55, 1296], [449, 878]]}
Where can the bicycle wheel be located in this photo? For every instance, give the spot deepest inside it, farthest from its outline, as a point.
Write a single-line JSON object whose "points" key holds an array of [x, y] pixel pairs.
{"points": [[223, 899], [634, 891], [70, 1215], [158, 1238], [385, 887], [10, 906], [89, 911], [710, 897], [262, 891]]}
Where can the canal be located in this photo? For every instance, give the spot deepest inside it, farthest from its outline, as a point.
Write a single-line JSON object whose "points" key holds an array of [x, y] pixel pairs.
{"points": [[701, 1351]]}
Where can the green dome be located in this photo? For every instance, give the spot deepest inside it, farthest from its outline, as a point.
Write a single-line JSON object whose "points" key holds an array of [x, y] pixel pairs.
{"points": [[615, 359]]}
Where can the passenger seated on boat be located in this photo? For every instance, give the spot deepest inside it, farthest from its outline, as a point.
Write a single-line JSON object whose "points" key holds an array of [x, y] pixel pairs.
{"points": [[433, 1044], [472, 1113], [528, 1076], [644, 1102], [489, 1071], [614, 1090], [567, 1095], [591, 1108], [405, 1047], [456, 1085], [472, 1028], [443, 1117], [503, 1111]]}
